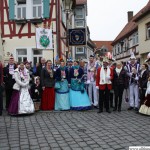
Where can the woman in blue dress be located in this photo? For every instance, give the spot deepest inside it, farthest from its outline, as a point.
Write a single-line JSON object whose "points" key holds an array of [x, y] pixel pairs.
{"points": [[79, 99], [62, 91]]}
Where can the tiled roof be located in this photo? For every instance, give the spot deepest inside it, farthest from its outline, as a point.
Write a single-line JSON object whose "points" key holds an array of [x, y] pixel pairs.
{"points": [[80, 2], [106, 44], [143, 12], [131, 26]]}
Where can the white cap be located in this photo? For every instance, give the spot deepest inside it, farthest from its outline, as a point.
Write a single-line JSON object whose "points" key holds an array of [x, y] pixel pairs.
{"points": [[132, 56]]}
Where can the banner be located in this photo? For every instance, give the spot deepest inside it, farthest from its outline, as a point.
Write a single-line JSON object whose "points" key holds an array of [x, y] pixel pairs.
{"points": [[44, 38], [77, 37]]}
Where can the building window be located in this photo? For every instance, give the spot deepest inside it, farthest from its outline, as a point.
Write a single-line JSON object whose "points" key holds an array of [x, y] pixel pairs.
{"points": [[114, 51], [148, 31], [22, 55], [21, 9], [37, 55], [37, 8], [118, 49], [79, 13], [80, 23], [79, 50]]}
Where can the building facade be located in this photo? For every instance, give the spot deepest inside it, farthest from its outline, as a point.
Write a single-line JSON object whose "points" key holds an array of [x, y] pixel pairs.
{"points": [[19, 18], [143, 22], [80, 21], [103, 48], [134, 37]]}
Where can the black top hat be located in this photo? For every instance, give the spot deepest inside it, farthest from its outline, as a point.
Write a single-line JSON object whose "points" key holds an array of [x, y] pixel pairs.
{"points": [[91, 55]]}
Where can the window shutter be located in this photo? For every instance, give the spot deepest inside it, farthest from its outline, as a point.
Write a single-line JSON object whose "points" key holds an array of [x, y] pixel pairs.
{"points": [[46, 8], [11, 9]]}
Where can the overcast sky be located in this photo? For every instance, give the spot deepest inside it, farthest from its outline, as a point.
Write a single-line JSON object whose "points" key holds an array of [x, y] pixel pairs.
{"points": [[106, 18]]}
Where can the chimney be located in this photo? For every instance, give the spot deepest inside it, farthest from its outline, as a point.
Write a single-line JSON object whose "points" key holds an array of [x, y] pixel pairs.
{"points": [[130, 15]]}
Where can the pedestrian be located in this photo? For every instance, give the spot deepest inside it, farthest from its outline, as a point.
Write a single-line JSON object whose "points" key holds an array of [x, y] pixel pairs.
{"points": [[104, 84], [21, 102], [36, 93], [69, 64], [112, 64], [133, 69], [1, 88], [40, 67], [9, 79], [144, 74], [47, 83], [30, 69], [145, 108], [79, 99], [62, 90], [120, 83], [92, 91], [148, 61]]}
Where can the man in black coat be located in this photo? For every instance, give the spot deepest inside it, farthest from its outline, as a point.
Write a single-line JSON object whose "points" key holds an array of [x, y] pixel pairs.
{"points": [[39, 68], [9, 79]]}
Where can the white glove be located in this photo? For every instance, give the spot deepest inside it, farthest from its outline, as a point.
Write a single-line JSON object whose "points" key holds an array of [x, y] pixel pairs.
{"points": [[108, 77], [97, 87], [36, 90], [88, 81], [136, 78]]}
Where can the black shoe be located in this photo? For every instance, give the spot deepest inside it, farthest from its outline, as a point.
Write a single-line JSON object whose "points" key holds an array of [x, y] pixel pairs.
{"points": [[100, 111], [119, 109], [130, 108], [136, 109], [96, 107], [108, 111], [114, 109]]}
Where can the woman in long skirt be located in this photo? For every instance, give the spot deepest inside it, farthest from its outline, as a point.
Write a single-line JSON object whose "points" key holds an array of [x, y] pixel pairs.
{"points": [[145, 108], [79, 99], [47, 83], [62, 91], [21, 102]]}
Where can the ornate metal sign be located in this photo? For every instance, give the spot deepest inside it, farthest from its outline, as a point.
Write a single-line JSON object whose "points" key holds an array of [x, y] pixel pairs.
{"points": [[77, 37]]}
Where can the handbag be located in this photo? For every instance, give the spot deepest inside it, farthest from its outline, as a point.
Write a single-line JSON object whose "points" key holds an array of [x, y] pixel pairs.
{"points": [[57, 85]]}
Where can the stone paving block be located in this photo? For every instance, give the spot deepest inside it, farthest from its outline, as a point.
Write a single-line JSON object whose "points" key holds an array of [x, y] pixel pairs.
{"points": [[65, 148], [116, 147], [82, 144], [24, 147], [53, 145], [45, 148]]}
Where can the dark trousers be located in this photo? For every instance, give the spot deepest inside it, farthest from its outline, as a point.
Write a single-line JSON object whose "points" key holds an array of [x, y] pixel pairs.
{"points": [[1, 100], [118, 96], [8, 96], [104, 98], [111, 99], [142, 96]]}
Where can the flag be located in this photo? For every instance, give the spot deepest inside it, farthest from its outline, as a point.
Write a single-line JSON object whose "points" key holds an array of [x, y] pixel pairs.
{"points": [[44, 38]]}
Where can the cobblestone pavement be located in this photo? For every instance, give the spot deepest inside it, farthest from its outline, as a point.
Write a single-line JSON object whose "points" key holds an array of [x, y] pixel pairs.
{"points": [[74, 130]]}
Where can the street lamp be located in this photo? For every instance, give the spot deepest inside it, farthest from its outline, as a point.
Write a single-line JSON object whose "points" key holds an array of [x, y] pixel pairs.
{"points": [[68, 5]]}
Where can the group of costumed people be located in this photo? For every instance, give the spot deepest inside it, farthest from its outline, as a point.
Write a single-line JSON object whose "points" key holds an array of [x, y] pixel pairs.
{"points": [[99, 83]]}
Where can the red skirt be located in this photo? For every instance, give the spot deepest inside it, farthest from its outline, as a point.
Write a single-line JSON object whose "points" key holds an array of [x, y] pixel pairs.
{"points": [[48, 99]]}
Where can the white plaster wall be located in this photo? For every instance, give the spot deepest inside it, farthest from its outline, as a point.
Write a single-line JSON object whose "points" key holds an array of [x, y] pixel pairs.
{"points": [[144, 45]]}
